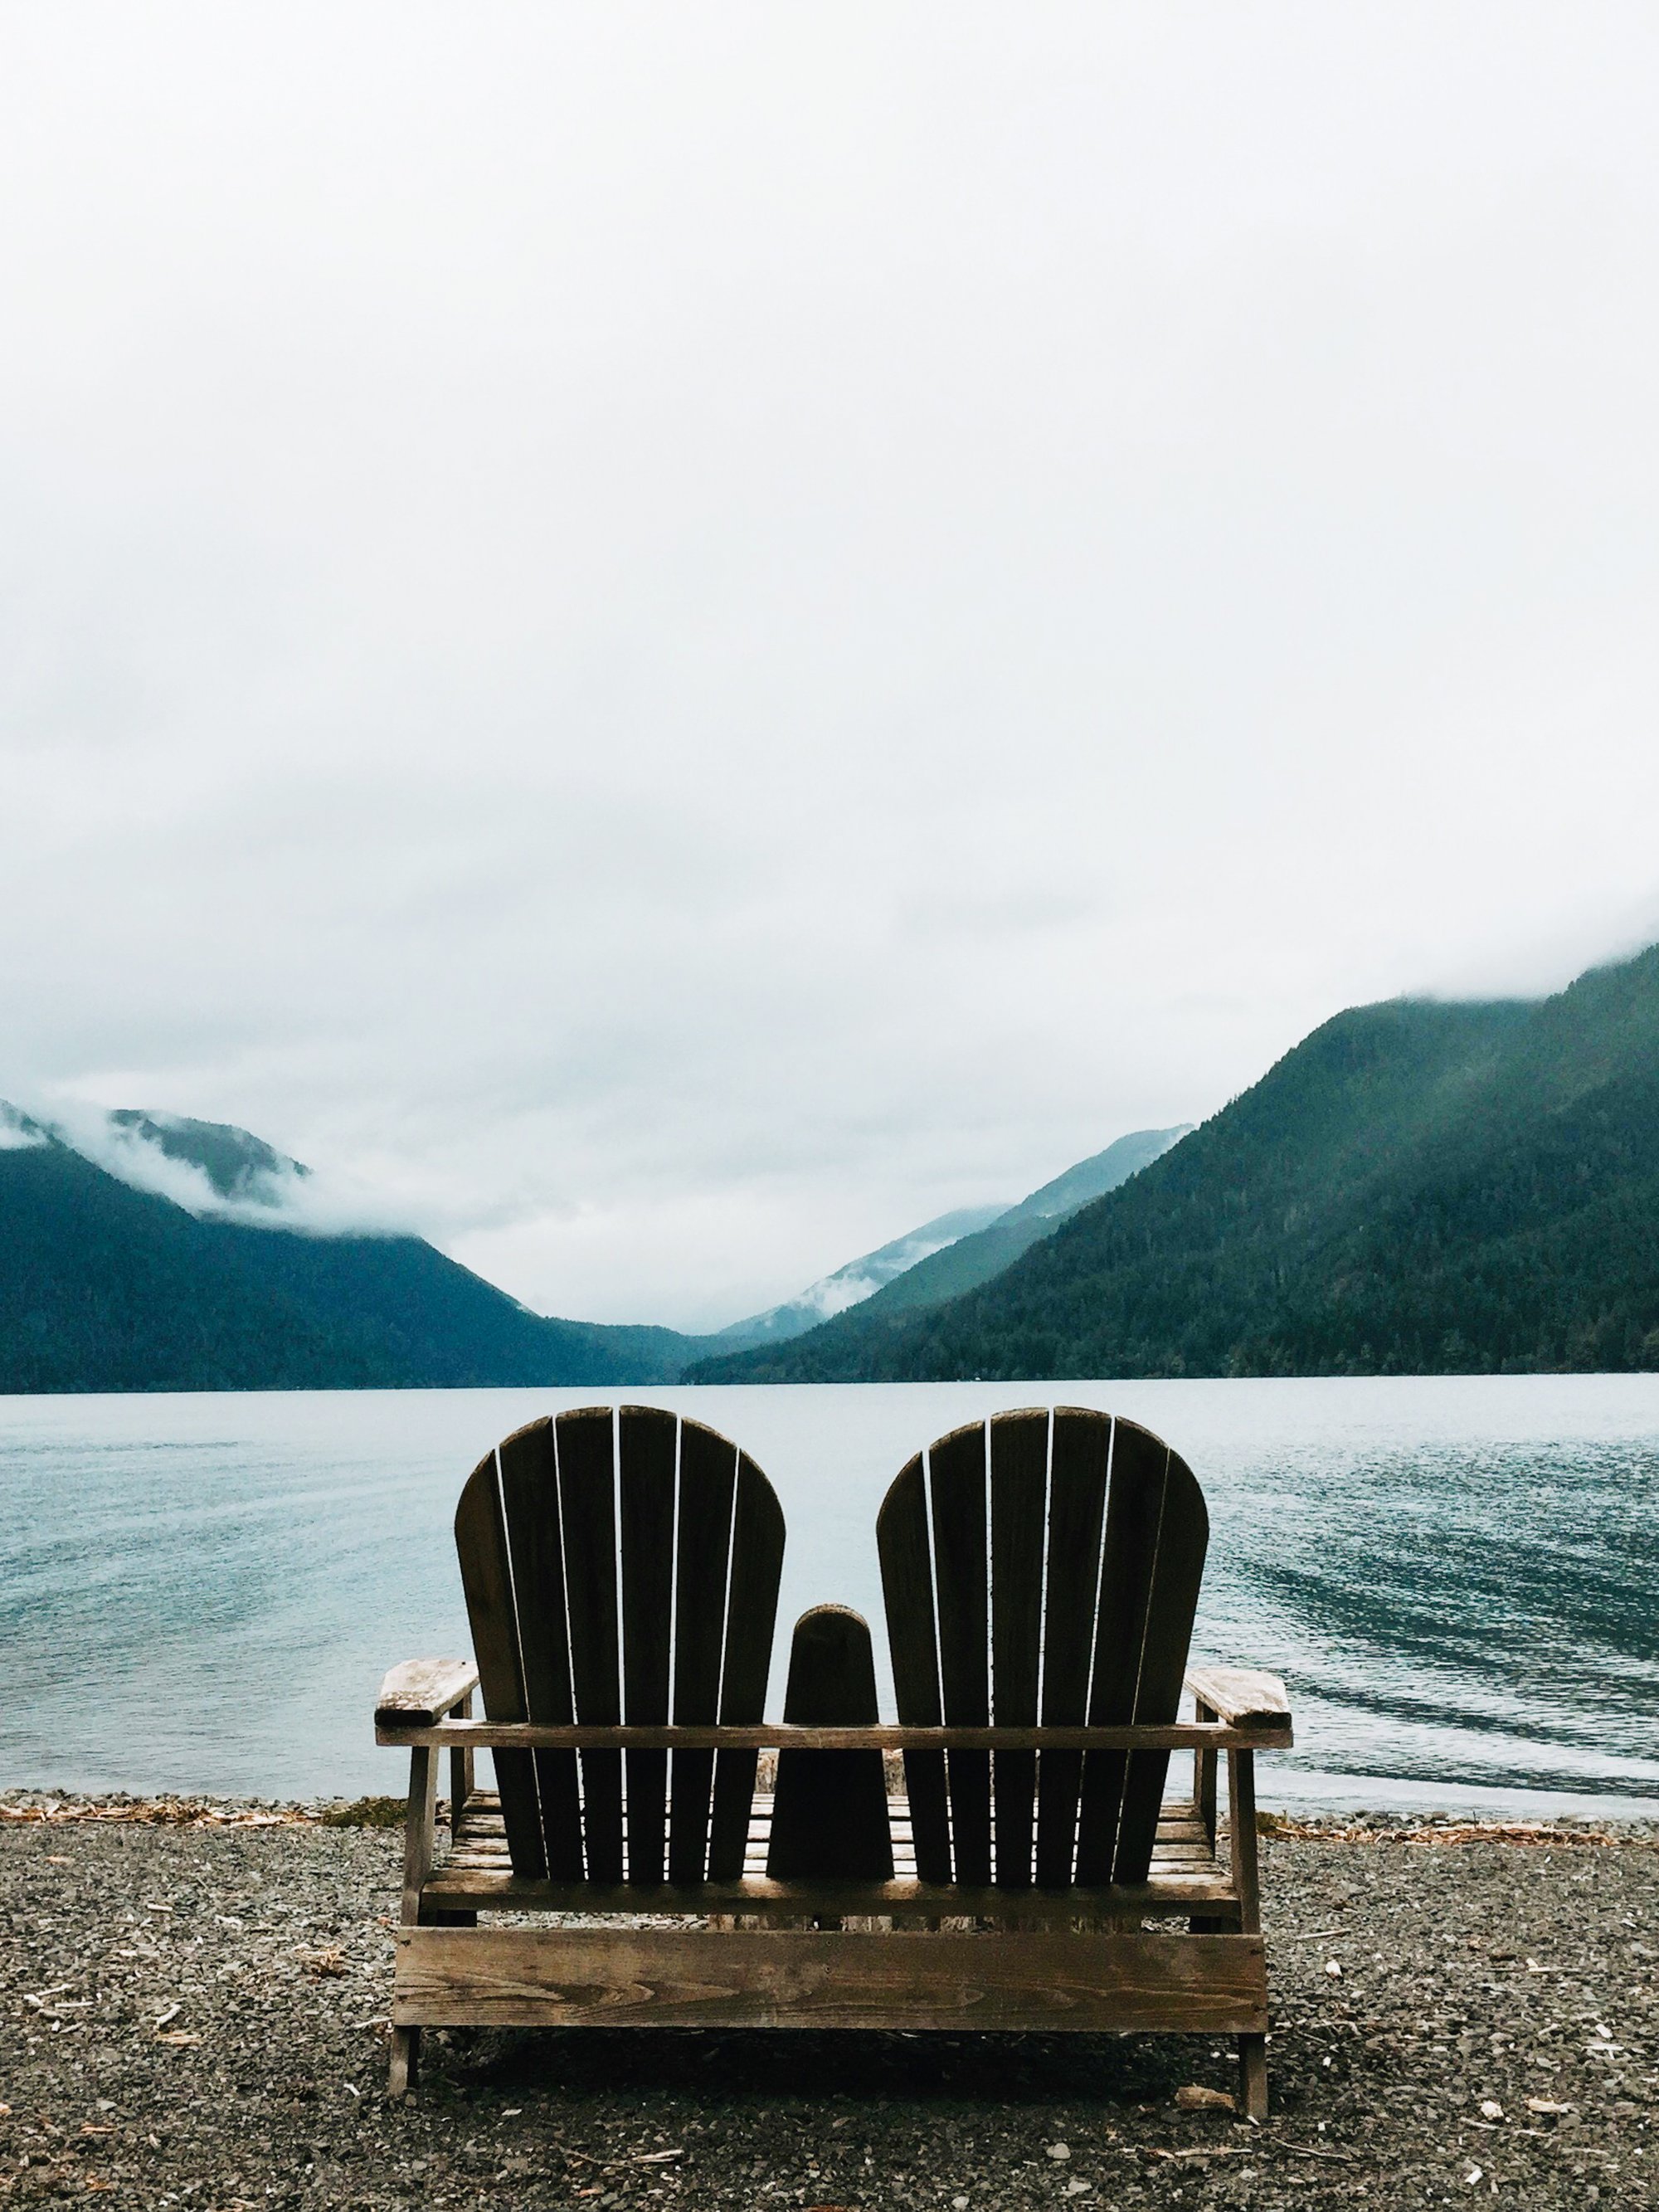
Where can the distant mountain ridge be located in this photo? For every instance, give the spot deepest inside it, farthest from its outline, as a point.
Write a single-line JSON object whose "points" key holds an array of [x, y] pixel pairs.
{"points": [[957, 1267], [859, 1279], [943, 1257], [144, 1251], [236, 1163], [1418, 1188], [107, 1286], [964, 1266]]}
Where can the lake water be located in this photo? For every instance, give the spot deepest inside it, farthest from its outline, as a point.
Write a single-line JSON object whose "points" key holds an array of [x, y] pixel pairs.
{"points": [[1458, 1578]]}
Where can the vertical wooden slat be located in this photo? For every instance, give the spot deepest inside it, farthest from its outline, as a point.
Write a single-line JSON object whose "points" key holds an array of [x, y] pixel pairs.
{"points": [[907, 1586], [529, 1494], [1204, 1764], [1135, 1499], [956, 1477], [830, 1821], [419, 1840], [1183, 1536], [460, 1773], [751, 1617], [649, 1446], [487, 1580], [587, 1496], [1080, 1453], [1019, 1469], [707, 1474]]}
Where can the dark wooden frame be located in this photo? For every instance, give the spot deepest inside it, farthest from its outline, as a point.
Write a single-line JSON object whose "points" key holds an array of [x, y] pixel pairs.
{"points": [[773, 1954]]}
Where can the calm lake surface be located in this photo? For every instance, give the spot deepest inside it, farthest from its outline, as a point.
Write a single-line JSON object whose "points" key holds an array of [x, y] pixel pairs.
{"points": [[1458, 1578]]}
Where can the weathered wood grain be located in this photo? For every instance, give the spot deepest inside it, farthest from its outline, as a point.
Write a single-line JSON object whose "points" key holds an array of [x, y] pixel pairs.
{"points": [[1241, 1695], [422, 1691], [657, 1977], [762, 1735], [419, 1825]]}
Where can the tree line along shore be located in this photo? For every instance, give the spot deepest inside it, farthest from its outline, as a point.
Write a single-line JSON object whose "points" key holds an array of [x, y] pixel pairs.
{"points": [[1418, 1188]]}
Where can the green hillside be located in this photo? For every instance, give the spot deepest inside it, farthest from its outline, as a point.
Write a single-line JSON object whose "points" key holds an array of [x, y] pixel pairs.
{"points": [[1416, 1189], [104, 1287], [976, 1259], [945, 1274]]}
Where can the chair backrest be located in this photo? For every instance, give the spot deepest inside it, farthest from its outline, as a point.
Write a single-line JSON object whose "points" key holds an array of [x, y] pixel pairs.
{"points": [[622, 1566], [1043, 1566]]}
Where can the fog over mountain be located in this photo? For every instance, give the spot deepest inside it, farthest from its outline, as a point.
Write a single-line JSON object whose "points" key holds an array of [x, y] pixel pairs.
{"points": [[144, 1250], [859, 1279], [1416, 1187], [216, 1171]]}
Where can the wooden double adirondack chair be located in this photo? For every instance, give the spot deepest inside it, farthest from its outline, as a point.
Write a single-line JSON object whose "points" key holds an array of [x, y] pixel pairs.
{"points": [[1040, 1573]]}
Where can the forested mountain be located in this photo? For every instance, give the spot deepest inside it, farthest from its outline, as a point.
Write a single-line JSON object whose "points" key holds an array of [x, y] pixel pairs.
{"points": [[950, 1254], [976, 1259], [858, 1279], [966, 1262], [1418, 1188], [237, 1164], [107, 1287], [144, 1251]]}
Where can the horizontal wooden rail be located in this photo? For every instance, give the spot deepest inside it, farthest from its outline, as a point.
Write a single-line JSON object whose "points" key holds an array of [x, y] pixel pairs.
{"points": [[770, 1736], [673, 1978]]}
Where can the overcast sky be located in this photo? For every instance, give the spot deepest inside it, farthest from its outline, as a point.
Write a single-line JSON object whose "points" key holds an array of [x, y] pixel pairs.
{"points": [[683, 636]]}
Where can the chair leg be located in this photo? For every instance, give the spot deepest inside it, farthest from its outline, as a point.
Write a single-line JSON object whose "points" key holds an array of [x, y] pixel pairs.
{"points": [[1252, 2077], [405, 2061], [418, 1847]]}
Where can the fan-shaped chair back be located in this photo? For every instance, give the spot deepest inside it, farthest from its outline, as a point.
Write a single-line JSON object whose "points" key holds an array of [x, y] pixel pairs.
{"points": [[1040, 1567], [621, 1566]]}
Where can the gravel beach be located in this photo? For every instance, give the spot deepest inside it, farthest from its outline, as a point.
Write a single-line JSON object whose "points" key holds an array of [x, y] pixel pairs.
{"points": [[195, 2015]]}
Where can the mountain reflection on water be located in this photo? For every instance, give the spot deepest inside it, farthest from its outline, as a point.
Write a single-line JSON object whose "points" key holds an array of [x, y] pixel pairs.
{"points": [[1456, 1576]]}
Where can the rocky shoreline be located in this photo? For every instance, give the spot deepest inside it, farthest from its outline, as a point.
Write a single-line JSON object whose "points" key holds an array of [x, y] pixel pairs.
{"points": [[196, 1992]]}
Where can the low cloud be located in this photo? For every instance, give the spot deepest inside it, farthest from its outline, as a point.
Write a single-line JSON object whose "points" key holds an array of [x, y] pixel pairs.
{"points": [[18, 1134], [686, 637], [263, 1189]]}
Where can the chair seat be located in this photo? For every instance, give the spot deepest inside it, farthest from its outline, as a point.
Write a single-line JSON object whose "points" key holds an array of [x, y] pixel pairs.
{"points": [[1186, 1876]]}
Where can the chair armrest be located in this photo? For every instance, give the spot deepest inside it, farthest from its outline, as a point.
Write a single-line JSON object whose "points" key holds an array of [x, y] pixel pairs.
{"points": [[420, 1692], [1240, 1696]]}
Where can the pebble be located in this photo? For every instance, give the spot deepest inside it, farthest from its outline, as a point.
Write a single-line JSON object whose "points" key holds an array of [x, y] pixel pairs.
{"points": [[276, 1947]]}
